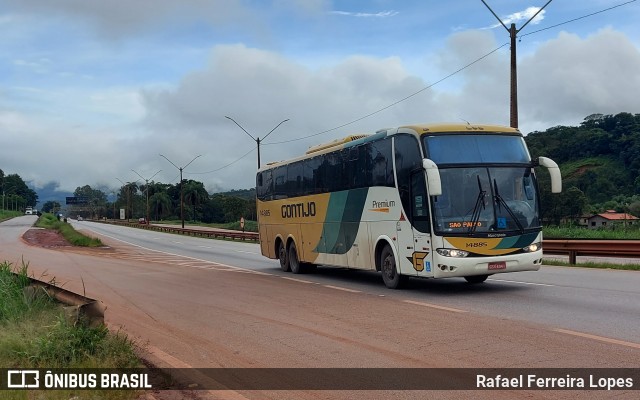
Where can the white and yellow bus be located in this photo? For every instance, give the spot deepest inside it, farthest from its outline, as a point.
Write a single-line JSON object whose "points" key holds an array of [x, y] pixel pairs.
{"points": [[430, 201]]}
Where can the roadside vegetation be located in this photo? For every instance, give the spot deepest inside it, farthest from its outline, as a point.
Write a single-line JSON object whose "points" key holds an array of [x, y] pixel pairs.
{"points": [[35, 333], [615, 232], [598, 265], [7, 214], [249, 226], [50, 221]]}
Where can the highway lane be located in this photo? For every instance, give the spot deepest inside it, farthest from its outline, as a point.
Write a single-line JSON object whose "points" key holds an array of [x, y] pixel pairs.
{"points": [[194, 313], [605, 303]]}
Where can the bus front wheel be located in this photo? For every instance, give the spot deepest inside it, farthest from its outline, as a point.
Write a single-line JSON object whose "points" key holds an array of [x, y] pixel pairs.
{"points": [[392, 279], [282, 256]]}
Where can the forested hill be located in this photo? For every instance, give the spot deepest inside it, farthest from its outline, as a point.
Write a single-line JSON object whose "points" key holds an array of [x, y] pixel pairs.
{"points": [[600, 158]]}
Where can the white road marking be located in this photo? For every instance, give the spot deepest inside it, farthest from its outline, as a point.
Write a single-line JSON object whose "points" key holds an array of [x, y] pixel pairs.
{"points": [[343, 289], [419, 303], [599, 338], [522, 283], [295, 280]]}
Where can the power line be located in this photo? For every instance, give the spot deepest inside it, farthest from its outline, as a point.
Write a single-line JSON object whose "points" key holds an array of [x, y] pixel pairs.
{"points": [[396, 102], [223, 167], [579, 18], [419, 91]]}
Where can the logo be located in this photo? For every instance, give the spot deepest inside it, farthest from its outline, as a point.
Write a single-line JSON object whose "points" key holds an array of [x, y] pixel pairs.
{"points": [[23, 379], [299, 210]]}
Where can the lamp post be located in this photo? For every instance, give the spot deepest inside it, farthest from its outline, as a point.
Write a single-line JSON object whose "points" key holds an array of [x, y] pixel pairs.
{"points": [[146, 188], [257, 139], [181, 191]]}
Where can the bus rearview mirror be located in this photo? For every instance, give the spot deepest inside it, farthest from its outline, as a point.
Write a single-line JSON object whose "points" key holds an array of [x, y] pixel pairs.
{"points": [[554, 172], [433, 177]]}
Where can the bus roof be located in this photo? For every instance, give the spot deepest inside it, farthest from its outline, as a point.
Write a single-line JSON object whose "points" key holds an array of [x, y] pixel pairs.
{"points": [[420, 129], [458, 127]]}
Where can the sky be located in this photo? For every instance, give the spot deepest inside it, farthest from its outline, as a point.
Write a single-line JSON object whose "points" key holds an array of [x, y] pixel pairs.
{"points": [[91, 91]]}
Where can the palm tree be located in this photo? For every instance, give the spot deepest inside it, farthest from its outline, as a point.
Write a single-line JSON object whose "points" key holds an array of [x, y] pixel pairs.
{"points": [[194, 194], [161, 203]]}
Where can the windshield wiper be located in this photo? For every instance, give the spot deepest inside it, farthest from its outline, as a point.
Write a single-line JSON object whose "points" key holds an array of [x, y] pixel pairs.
{"points": [[500, 201], [475, 216]]}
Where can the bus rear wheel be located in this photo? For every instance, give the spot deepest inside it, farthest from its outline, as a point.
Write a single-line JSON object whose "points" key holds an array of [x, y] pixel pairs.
{"points": [[476, 278], [392, 279], [282, 256], [294, 262]]}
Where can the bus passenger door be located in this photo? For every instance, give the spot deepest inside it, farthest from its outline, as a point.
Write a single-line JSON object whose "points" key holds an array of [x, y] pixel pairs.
{"points": [[414, 227], [421, 225]]}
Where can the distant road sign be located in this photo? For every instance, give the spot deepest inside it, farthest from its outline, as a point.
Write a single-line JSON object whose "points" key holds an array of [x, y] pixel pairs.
{"points": [[80, 200]]}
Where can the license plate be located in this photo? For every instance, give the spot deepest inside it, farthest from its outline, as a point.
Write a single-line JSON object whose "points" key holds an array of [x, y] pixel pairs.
{"points": [[497, 265]]}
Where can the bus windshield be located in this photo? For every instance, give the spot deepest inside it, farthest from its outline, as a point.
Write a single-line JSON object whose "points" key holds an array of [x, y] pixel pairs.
{"points": [[484, 148], [487, 185]]}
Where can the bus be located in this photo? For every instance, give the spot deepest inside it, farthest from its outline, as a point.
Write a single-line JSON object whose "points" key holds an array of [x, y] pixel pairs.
{"points": [[428, 200]]}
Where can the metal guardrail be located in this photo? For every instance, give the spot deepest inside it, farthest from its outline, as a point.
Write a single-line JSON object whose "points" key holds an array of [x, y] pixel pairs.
{"points": [[79, 307], [198, 232], [590, 247], [571, 247]]}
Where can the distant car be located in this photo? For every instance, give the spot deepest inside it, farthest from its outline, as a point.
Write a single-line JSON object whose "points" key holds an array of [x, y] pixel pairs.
{"points": [[142, 220], [28, 211]]}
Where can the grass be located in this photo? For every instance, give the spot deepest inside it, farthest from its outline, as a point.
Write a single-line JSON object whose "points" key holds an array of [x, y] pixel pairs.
{"points": [[590, 264], [249, 226], [35, 333], [50, 221], [7, 214], [618, 232]]}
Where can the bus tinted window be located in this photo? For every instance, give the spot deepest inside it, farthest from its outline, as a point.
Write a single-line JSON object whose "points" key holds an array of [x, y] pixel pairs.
{"points": [[474, 149], [381, 163], [280, 183], [264, 186], [364, 165], [312, 182], [294, 179]]}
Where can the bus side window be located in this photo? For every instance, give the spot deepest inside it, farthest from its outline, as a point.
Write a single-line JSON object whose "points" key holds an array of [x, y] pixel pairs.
{"points": [[411, 182], [264, 185], [381, 163], [280, 183]]}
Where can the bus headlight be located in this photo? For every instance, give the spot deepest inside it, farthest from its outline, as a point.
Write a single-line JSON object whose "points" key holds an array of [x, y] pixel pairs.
{"points": [[452, 253], [532, 247]]}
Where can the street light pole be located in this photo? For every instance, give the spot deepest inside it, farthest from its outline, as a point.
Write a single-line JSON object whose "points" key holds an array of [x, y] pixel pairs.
{"points": [[257, 139], [181, 191], [146, 188], [513, 32]]}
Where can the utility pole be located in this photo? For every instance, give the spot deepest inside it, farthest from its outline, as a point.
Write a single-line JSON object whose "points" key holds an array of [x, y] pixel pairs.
{"points": [[513, 32], [181, 185], [256, 139]]}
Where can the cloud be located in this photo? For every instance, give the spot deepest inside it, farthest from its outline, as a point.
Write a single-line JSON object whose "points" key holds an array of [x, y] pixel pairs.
{"points": [[521, 16], [568, 78], [381, 14], [564, 80], [78, 136], [116, 19]]}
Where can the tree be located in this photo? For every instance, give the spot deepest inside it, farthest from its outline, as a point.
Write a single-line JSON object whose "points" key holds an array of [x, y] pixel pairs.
{"points": [[127, 195], [51, 207], [96, 200], [160, 202], [19, 194], [194, 194]]}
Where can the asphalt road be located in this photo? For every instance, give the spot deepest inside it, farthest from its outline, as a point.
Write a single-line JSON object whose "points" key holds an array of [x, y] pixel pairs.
{"points": [[599, 302], [194, 302]]}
